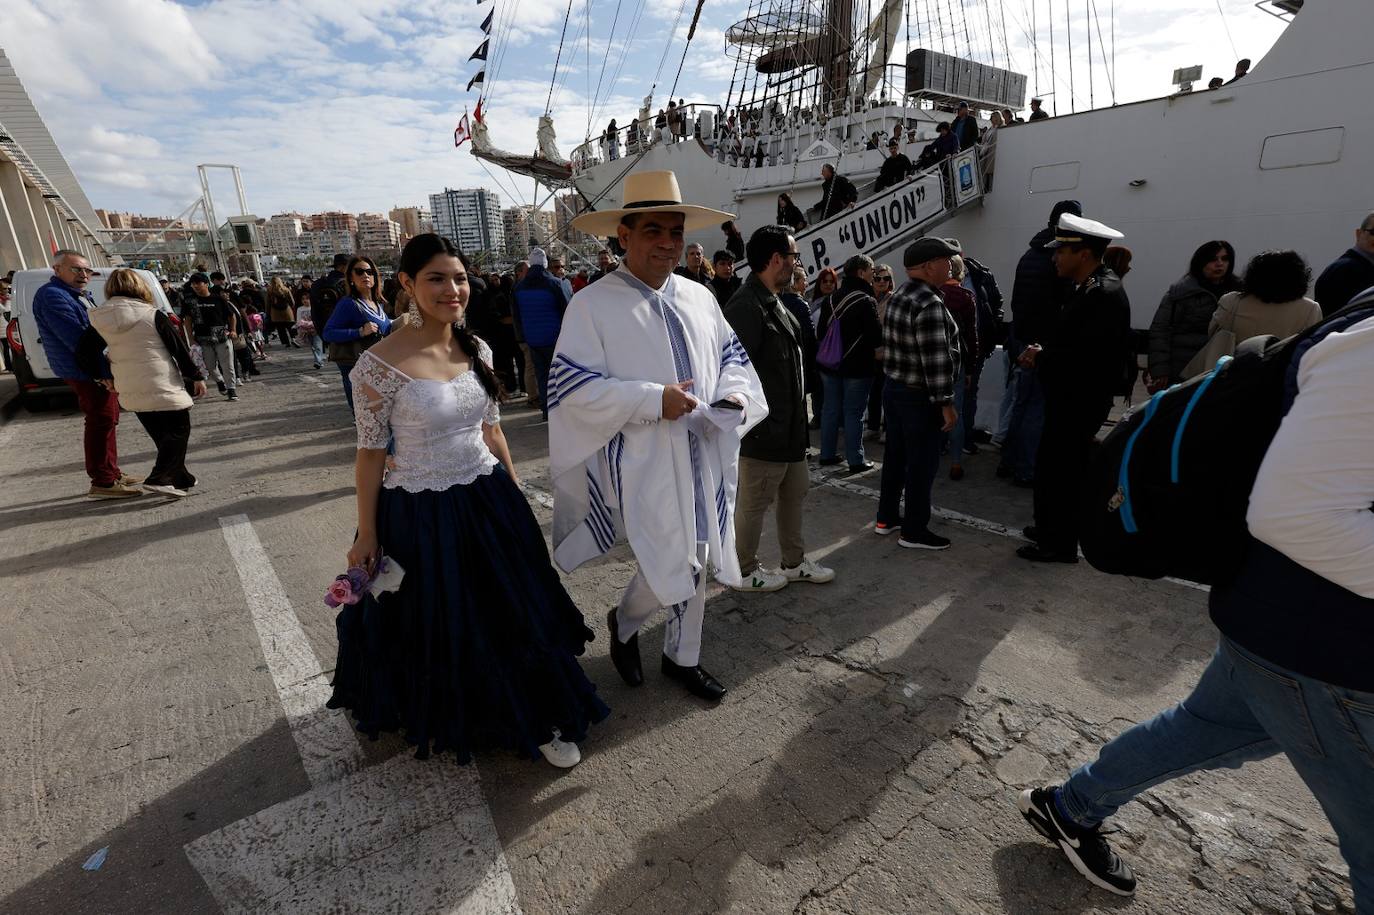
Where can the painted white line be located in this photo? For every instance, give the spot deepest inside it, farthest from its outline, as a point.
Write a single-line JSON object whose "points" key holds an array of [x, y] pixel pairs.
{"points": [[405, 835], [325, 738]]}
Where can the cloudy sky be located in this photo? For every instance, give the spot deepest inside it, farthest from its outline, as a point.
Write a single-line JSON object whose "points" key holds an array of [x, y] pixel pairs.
{"points": [[351, 104]]}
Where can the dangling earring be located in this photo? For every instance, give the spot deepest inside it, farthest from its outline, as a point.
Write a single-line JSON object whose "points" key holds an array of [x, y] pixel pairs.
{"points": [[413, 316]]}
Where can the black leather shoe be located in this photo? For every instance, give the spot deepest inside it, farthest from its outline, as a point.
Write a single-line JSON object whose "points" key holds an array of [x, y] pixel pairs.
{"points": [[697, 681], [625, 655], [830, 462], [865, 467], [1031, 532], [1035, 552]]}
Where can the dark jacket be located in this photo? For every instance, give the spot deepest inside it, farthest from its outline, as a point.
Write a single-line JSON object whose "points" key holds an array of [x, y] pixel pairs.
{"points": [[836, 194], [1086, 347], [963, 307], [59, 311], [725, 289], [540, 303], [1179, 328], [790, 215], [989, 298], [1346, 277], [937, 150], [894, 171], [735, 245], [702, 276], [772, 337], [966, 130], [1037, 292], [320, 305], [801, 310], [859, 328], [210, 318]]}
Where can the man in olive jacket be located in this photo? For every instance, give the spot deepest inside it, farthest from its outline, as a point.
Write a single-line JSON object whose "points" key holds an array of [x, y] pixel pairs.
{"points": [[772, 462]]}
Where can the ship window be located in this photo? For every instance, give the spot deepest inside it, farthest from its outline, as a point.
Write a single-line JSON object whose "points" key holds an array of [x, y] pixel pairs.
{"points": [[1062, 176], [1308, 147]]}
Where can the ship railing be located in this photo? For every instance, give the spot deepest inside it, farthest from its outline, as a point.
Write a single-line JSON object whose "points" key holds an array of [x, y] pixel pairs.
{"points": [[638, 135]]}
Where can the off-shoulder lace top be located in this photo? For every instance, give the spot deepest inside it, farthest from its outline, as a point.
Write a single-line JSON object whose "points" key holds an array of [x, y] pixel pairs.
{"points": [[437, 425]]}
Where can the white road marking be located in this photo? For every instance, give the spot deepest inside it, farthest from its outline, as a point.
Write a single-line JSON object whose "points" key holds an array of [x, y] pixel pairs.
{"points": [[325, 738], [405, 835]]}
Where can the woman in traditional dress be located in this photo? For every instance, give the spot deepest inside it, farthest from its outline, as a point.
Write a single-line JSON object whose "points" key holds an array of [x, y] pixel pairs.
{"points": [[477, 648]]}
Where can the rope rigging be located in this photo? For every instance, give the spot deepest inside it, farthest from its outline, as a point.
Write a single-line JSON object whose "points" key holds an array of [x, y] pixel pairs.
{"points": [[549, 103]]}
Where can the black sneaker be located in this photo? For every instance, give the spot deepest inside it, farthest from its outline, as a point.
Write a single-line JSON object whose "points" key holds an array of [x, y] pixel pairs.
{"points": [[233, 395], [220, 385], [924, 541], [1087, 850]]}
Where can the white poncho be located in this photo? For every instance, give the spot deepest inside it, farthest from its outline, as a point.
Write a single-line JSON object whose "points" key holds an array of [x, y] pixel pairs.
{"points": [[618, 468]]}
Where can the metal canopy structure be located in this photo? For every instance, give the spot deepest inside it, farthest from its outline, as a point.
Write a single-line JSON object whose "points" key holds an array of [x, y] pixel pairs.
{"points": [[46, 201]]}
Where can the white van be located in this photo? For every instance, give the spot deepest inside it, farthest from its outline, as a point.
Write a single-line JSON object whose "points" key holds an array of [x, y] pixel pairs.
{"points": [[31, 369]]}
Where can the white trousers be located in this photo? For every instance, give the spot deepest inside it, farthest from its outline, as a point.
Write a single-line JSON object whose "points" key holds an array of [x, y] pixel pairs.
{"points": [[682, 634]]}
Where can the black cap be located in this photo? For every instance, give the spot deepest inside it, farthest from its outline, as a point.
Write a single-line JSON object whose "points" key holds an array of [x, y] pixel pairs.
{"points": [[963, 104], [1062, 207], [927, 248]]}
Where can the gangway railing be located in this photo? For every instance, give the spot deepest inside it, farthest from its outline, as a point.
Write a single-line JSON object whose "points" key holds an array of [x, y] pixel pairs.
{"points": [[895, 216]]}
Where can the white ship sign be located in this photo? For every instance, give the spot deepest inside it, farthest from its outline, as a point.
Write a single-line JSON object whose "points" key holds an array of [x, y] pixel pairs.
{"points": [[864, 229]]}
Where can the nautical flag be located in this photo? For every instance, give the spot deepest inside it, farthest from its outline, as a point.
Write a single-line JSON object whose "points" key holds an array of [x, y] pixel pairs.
{"points": [[477, 112], [481, 52], [463, 132], [479, 78], [486, 23]]}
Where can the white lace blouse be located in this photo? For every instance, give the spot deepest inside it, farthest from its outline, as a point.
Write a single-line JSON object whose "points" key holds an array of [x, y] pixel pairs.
{"points": [[437, 425]]}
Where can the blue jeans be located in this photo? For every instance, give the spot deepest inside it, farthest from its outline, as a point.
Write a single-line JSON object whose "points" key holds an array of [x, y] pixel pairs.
{"points": [[911, 459], [1027, 420], [317, 347], [344, 369], [1245, 708], [543, 358], [847, 397]]}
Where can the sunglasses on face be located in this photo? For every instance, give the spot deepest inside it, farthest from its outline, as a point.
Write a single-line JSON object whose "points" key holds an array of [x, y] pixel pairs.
{"points": [[364, 271]]}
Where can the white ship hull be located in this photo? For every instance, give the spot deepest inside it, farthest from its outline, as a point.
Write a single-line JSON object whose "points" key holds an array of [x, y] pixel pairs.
{"points": [[1280, 159]]}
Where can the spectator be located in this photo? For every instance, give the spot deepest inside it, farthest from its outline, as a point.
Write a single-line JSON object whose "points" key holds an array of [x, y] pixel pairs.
{"points": [[682, 116], [696, 268], [772, 463], [507, 360], [962, 306], [921, 360], [1036, 113], [605, 265], [794, 300], [214, 324], [789, 214], [281, 311], [1180, 325], [1036, 295], [988, 153], [358, 320], [540, 302], [332, 282], [1272, 298], [978, 280], [734, 241], [1351, 273], [724, 283], [874, 142], [882, 294], [965, 128], [1291, 672], [131, 347], [1118, 257], [306, 331], [854, 311], [1242, 69], [60, 309], [942, 147], [611, 142], [837, 192], [1008, 120], [580, 280], [827, 281], [559, 272], [895, 168], [1215, 82]]}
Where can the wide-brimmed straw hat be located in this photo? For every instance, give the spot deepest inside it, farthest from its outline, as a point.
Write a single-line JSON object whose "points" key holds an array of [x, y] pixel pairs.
{"points": [[649, 192]]}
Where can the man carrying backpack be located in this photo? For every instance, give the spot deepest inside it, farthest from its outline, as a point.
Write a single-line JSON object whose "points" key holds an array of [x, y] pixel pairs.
{"points": [[1291, 673], [1078, 363]]}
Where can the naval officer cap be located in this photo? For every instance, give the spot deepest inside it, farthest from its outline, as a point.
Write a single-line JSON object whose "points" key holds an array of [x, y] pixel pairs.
{"points": [[927, 248], [1079, 230]]}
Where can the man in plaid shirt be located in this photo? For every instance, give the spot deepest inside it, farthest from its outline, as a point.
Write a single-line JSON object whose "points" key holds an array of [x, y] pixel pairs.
{"points": [[921, 359]]}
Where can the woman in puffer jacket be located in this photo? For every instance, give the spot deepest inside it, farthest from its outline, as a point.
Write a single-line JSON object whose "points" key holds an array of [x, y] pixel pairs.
{"points": [[1179, 329], [133, 348]]}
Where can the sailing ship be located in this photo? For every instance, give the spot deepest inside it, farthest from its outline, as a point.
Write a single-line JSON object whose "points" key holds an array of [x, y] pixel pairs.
{"points": [[1273, 160]]}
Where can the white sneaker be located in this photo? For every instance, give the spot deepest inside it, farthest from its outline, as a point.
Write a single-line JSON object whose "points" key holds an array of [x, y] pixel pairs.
{"points": [[762, 579], [170, 491], [809, 571], [561, 753]]}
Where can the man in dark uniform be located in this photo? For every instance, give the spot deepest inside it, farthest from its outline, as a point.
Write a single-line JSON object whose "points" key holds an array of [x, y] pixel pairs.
{"points": [[1079, 366]]}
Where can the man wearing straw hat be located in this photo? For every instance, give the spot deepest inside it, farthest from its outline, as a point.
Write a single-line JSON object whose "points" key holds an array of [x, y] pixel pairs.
{"points": [[650, 392]]}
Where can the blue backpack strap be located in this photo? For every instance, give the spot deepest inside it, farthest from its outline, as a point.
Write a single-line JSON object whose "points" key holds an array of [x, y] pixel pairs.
{"points": [[1123, 481], [1359, 309], [1187, 412]]}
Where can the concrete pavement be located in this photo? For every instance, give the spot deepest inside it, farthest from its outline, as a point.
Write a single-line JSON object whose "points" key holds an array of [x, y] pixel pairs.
{"points": [[161, 677]]}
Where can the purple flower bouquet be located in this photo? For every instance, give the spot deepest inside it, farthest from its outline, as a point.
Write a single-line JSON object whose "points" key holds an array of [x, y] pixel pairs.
{"points": [[350, 587]]}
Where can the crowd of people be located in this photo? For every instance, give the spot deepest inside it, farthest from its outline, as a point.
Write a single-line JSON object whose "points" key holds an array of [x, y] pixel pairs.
{"points": [[680, 401]]}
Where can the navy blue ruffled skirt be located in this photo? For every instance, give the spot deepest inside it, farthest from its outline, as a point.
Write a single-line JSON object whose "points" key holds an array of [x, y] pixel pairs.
{"points": [[477, 649]]}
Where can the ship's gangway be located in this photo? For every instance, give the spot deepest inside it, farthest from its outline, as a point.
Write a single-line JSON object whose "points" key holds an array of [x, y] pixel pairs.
{"points": [[895, 216]]}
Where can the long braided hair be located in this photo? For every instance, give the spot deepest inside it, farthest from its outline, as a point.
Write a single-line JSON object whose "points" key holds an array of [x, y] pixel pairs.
{"points": [[418, 252]]}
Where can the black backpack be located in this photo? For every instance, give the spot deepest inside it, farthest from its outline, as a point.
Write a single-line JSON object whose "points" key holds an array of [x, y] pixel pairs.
{"points": [[1168, 489]]}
